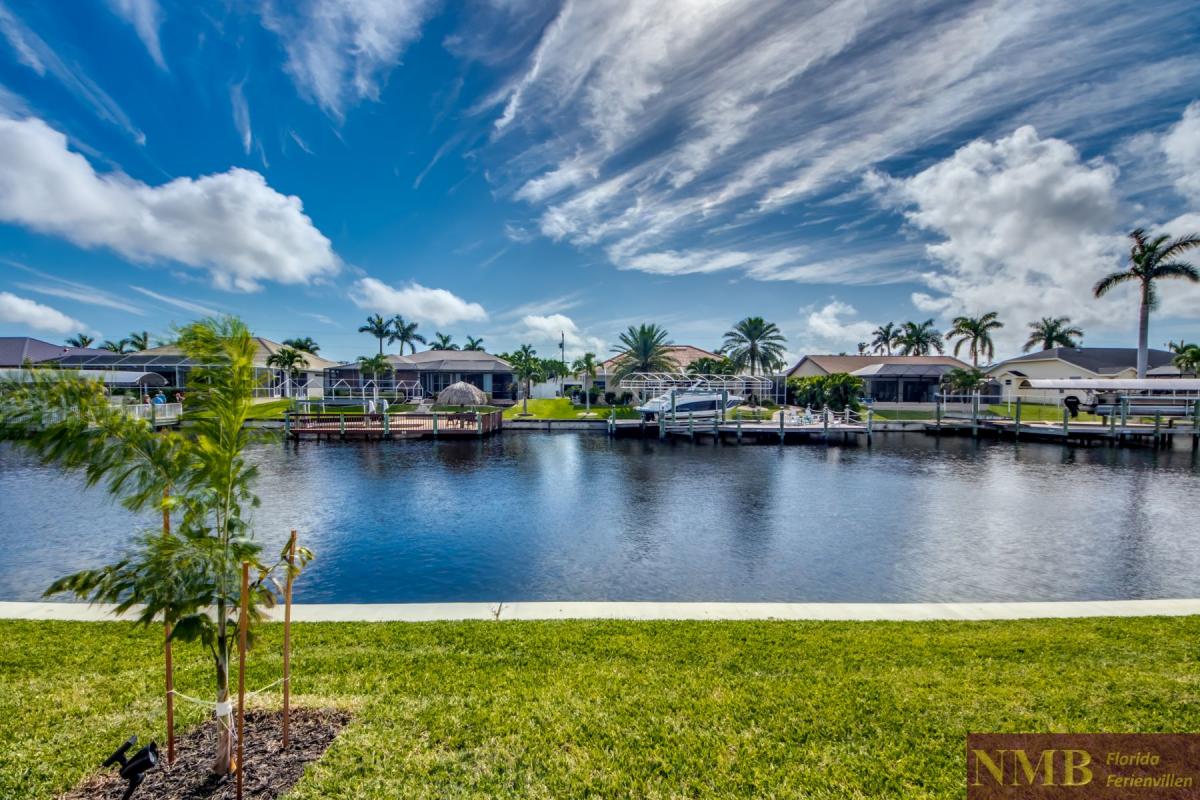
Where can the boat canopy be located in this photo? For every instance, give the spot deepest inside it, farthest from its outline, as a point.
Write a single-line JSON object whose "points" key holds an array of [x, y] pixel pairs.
{"points": [[1189, 385], [660, 382]]}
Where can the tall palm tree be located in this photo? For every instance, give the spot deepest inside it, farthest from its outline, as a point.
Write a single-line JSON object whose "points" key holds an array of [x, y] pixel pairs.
{"points": [[643, 349], [1187, 358], [120, 346], [1051, 332], [886, 337], [528, 368], [81, 340], [473, 344], [977, 333], [305, 344], [289, 361], [585, 365], [1151, 260], [919, 338], [139, 341], [754, 343], [405, 333], [378, 327], [443, 341]]}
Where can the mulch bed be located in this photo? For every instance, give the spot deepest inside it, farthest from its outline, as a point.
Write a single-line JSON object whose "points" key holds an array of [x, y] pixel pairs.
{"points": [[270, 770]]}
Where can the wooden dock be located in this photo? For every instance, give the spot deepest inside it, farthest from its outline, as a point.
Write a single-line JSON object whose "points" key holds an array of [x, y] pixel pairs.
{"points": [[1158, 434], [464, 424], [739, 432]]}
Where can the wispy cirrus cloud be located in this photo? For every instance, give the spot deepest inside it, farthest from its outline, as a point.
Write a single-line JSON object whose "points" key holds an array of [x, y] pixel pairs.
{"points": [[672, 141], [177, 302], [32, 51], [340, 52], [146, 17]]}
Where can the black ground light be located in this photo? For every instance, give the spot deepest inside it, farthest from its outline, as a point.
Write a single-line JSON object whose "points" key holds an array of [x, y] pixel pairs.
{"points": [[133, 769]]}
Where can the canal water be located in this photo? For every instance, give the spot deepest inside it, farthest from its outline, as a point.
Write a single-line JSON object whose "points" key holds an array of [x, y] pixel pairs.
{"points": [[532, 516]]}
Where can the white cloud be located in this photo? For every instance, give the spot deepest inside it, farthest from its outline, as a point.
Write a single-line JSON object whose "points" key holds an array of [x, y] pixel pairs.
{"points": [[146, 17], [831, 329], [546, 329], [231, 224], [660, 137], [340, 51], [23, 311], [419, 302], [1025, 227], [241, 115], [1181, 145], [33, 52]]}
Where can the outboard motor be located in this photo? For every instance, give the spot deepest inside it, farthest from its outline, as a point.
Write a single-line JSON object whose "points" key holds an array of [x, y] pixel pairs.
{"points": [[1072, 404]]}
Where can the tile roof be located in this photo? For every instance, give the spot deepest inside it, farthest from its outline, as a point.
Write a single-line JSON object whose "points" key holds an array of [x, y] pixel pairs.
{"points": [[265, 349], [681, 354]]}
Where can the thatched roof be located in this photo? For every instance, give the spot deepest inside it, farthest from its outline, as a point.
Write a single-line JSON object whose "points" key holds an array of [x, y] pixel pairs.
{"points": [[461, 394]]}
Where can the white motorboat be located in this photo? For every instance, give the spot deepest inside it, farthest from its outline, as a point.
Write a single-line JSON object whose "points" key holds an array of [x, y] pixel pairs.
{"points": [[695, 400]]}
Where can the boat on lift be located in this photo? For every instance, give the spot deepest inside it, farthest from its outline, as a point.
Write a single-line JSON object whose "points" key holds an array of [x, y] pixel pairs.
{"points": [[697, 400]]}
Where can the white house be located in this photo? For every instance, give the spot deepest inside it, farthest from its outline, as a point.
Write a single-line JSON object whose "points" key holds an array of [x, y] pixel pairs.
{"points": [[1066, 363]]}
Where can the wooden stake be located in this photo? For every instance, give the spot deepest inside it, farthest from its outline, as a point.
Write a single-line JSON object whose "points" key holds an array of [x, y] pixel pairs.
{"points": [[241, 720], [170, 666], [287, 640]]}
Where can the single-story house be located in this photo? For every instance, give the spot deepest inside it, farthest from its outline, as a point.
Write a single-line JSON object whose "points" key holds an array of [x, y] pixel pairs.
{"points": [[1066, 363], [170, 362], [428, 372], [886, 379]]}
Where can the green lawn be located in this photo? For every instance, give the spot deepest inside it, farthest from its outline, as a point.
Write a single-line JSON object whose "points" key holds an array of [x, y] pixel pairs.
{"points": [[563, 408], [1039, 412], [618, 709]]}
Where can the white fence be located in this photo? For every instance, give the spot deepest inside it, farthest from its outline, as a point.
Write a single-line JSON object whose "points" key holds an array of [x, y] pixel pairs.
{"points": [[156, 413]]}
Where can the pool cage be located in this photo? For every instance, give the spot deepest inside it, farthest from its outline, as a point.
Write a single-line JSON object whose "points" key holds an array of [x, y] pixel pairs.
{"points": [[398, 391], [646, 385]]}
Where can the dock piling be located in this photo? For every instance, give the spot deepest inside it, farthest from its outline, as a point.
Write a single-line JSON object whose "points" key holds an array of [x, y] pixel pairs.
{"points": [[1017, 421]]}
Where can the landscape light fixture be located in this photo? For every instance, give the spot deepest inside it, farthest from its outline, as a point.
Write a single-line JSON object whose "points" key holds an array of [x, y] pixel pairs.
{"points": [[133, 769]]}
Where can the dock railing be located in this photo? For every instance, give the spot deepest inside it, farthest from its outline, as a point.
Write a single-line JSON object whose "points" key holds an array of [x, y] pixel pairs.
{"points": [[408, 423]]}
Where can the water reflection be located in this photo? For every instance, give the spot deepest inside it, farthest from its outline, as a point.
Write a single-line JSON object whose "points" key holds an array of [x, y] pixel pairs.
{"points": [[538, 516]]}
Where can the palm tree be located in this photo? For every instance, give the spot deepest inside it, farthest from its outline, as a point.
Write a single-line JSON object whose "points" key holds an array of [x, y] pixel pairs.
{"points": [[443, 341], [405, 333], [644, 349], [305, 344], [863, 348], [964, 380], [919, 338], [975, 331], [1151, 260], [1187, 358], [886, 337], [289, 361], [712, 366], [754, 343], [528, 368], [121, 346], [585, 365], [374, 366], [1051, 332], [378, 327], [139, 341], [80, 340], [473, 344]]}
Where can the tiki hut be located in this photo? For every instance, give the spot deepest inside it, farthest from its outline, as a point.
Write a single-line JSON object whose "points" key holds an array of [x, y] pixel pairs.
{"points": [[461, 394]]}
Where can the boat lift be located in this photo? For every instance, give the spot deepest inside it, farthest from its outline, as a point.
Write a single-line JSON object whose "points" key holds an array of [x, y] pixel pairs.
{"points": [[655, 384]]}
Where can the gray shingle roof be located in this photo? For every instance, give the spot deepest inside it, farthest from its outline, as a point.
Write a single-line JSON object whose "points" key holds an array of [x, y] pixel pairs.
{"points": [[1100, 360], [15, 349]]}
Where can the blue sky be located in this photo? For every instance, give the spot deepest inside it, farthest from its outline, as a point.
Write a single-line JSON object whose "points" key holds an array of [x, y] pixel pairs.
{"points": [[511, 169]]}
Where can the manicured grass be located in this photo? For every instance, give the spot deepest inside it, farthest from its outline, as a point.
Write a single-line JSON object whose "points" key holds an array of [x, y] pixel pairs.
{"points": [[618, 709], [563, 408], [1038, 412]]}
